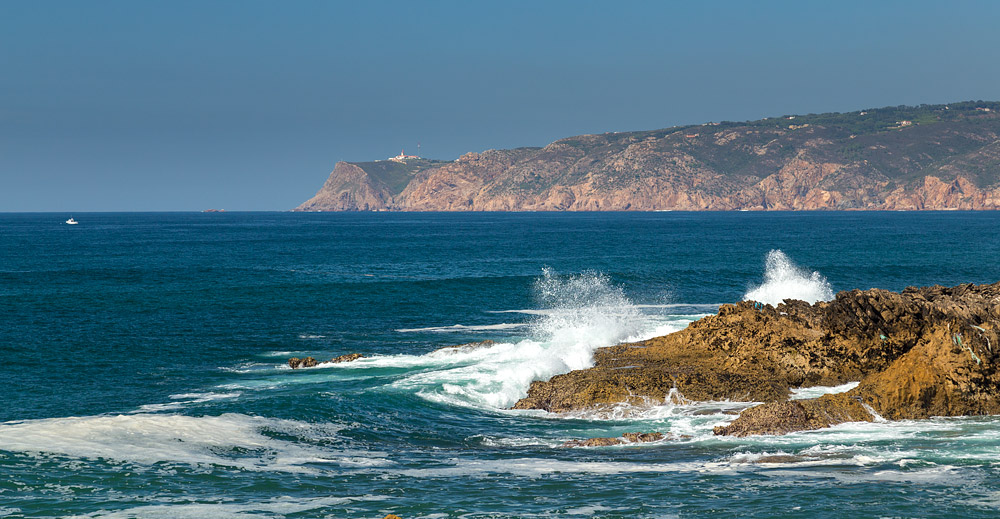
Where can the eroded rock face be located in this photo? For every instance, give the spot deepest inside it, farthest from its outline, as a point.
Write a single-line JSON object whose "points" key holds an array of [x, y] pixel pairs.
{"points": [[797, 415], [771, 164], [922, 352]]}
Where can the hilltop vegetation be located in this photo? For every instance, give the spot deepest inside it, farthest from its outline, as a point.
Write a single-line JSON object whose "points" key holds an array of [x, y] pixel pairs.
{"points": [[903, 157], [396, 175]]}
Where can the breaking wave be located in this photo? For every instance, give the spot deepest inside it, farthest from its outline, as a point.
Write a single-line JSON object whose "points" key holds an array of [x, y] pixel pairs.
{"points": [[578, 314], [783, 279]]}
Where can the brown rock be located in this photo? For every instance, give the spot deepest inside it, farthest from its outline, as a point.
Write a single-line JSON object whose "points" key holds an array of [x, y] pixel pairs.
{"points": [[796, 415], [296, 363], [594, 442], [760, 165], [921, 352], [633, 437], [347, 358], [636, 437]]}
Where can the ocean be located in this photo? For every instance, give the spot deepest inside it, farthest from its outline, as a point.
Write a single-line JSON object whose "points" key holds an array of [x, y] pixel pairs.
{"points": [[143, 365]]}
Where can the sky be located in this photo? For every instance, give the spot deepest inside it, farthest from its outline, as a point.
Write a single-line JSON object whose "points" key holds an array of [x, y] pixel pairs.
{"points": [[248, 105]]}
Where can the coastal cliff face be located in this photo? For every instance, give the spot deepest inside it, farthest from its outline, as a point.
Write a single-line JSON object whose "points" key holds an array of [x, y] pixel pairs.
{"points": [[901, 158], [924, 352]]}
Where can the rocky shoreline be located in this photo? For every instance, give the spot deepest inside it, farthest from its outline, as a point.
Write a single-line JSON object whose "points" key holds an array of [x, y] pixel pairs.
{"points": [[930, 157], [922, 352]]}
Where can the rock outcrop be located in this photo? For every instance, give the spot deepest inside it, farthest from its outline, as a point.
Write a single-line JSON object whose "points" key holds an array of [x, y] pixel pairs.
{"points": [[922, 352], [797, 415], [896, 158], [309, 362], [296, 363], [349, 357], [632, 437]]}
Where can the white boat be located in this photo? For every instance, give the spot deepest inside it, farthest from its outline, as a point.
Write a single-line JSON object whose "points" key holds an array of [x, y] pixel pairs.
{"points": [[71, 221]]}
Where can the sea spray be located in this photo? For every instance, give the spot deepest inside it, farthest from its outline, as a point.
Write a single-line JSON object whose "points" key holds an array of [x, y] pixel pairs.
{"points": [[783, 279], [582, 312], [588, 311]]}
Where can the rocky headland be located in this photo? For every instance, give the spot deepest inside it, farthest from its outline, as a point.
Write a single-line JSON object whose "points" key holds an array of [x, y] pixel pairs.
{"points": [[927, 157], [922, 352]]}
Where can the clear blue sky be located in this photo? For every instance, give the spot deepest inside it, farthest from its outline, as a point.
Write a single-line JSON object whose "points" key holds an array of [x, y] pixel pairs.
{"points": [[246, 105]]}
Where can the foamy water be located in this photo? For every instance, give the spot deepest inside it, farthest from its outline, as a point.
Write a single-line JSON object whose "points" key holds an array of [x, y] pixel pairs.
{"points": [[192, 440], [176, 399], [580, 314]]}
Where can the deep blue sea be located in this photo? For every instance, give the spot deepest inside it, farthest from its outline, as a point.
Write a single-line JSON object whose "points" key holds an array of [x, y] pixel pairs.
{"points": [[143, 365]]}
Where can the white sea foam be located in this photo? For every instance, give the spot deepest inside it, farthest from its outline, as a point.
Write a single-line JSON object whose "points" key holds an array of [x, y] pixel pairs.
{"points": [[185, 399], [538, 467], [223, 509], [878, 466], [233, 440], [694, 307], [783, 279], [591, 510], [588, 312], [499, 441], [803, 393], [581, 313], [465, 328]]}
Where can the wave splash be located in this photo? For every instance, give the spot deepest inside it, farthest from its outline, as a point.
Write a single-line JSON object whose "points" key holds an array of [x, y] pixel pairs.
{"points": [[586, 312], [783, 279], [582, 313]]}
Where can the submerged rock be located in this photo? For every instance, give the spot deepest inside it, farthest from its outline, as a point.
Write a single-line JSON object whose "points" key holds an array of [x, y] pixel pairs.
{"points": [[917, 353], [467, 346], [633, 437], [779, 458]]}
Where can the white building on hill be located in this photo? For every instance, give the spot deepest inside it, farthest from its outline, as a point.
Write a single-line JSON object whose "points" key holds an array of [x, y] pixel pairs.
{"points": [[403, 156]]}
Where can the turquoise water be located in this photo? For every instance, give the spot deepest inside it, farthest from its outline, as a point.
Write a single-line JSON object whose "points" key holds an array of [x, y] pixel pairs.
{"points": [[143, 365]]}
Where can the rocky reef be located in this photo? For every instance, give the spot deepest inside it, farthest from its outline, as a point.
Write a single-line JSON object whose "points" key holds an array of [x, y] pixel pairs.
{"points": [[309, 362], [922, 352]]}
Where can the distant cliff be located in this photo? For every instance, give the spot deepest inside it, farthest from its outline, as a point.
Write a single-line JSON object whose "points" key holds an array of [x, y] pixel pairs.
{"points": [[911, 158]]}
